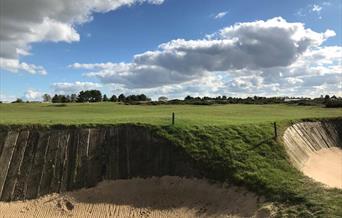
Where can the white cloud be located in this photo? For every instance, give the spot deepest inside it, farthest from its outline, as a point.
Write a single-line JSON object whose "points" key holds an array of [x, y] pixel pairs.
{"points": [[25, 22], [220, 15], [14, 65], [265, 57], [7, 98], [313, 9], [294, 80], [33, 95], [74, 88], [155, 2], [316, 8]]}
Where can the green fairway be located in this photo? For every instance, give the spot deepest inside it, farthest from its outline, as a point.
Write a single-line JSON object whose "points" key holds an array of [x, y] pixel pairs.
{"points": [[112, 113]]}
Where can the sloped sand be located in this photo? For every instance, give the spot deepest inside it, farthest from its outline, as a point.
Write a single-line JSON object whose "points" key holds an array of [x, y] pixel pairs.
{"points": [[154, 197], [325, 166], [315, 149]]}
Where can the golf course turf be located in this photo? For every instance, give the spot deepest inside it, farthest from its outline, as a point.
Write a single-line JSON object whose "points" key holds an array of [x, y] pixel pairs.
{"points": [[189, 115]]}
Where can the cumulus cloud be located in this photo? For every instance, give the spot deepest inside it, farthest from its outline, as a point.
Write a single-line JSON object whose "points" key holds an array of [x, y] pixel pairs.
{"points": [[220, 15], [266, 57], [14, 65], [25, 22], [74, 87], [33, 95]]}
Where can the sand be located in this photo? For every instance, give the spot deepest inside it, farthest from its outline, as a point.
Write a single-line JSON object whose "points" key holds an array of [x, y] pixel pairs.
{"points": [[153, 197], [325, 166]]}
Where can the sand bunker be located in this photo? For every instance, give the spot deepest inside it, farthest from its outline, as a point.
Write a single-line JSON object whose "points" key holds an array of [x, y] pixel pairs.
{"points": [[315, 149], [154, 197], [325, 166]]}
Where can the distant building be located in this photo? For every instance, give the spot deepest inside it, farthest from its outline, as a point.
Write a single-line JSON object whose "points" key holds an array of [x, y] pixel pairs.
{"points": [[295, 99], [163, 99]]}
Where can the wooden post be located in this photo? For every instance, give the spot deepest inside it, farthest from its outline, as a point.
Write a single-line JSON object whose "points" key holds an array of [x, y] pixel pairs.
{"points": [[275, 130], [173, 118]]}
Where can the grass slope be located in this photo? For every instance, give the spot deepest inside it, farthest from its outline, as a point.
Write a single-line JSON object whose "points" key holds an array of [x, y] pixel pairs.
{"points": [[248, 155], [112, 113]]}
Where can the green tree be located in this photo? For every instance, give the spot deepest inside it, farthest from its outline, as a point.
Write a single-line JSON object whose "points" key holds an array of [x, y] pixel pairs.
{"points": [[73, 97], [19, 100], [90, 96], [105, 98], [113, 98], [122, 98], [56, 99], [47, 98]]}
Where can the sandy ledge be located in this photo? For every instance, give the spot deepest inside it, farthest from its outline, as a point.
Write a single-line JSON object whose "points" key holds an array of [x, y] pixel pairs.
{"points": [[154, 197]]}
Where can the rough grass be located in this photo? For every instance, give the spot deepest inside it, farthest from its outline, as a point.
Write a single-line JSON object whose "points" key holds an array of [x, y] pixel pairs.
{"points": [[186, 115]]}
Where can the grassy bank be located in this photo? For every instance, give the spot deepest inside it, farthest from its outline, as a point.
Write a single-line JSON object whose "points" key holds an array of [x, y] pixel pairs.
{"points": [[248, 155], [112, 113]]}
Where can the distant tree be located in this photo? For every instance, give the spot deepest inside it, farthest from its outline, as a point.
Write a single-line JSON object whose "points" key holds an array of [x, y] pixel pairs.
{"points": [[73, 98], [19, 100], [82, 97], [113, 98], [188, 98], [90, 96], [55, 99], [122, 98], [334, 103], [105, 98], [143, 97], [65, 99], [58, 98], [129, 98], [326, 98], [46, 98]]}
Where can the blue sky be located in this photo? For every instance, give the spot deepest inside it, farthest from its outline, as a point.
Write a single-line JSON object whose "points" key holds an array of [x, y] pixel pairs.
{"points": [[115, 33]]}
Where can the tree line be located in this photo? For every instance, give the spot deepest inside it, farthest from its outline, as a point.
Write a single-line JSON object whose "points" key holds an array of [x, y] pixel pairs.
{"points": [[93, 96], [96, 96], [326, 100]]}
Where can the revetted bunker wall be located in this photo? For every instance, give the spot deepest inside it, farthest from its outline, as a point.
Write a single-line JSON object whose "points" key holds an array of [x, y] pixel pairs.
{"points": [[38, 161], [302, 139]]}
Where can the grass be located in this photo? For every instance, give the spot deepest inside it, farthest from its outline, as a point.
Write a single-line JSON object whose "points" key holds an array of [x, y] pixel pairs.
{"points": [[186, 115], [248, 155]]}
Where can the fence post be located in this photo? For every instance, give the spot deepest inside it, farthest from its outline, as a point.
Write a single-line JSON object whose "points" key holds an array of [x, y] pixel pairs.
{"points": [[173, 118], [275, 130]]}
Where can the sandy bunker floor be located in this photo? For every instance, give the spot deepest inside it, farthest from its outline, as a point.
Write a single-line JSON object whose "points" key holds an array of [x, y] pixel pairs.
{"points": [[154, 197], [325, 166]]}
